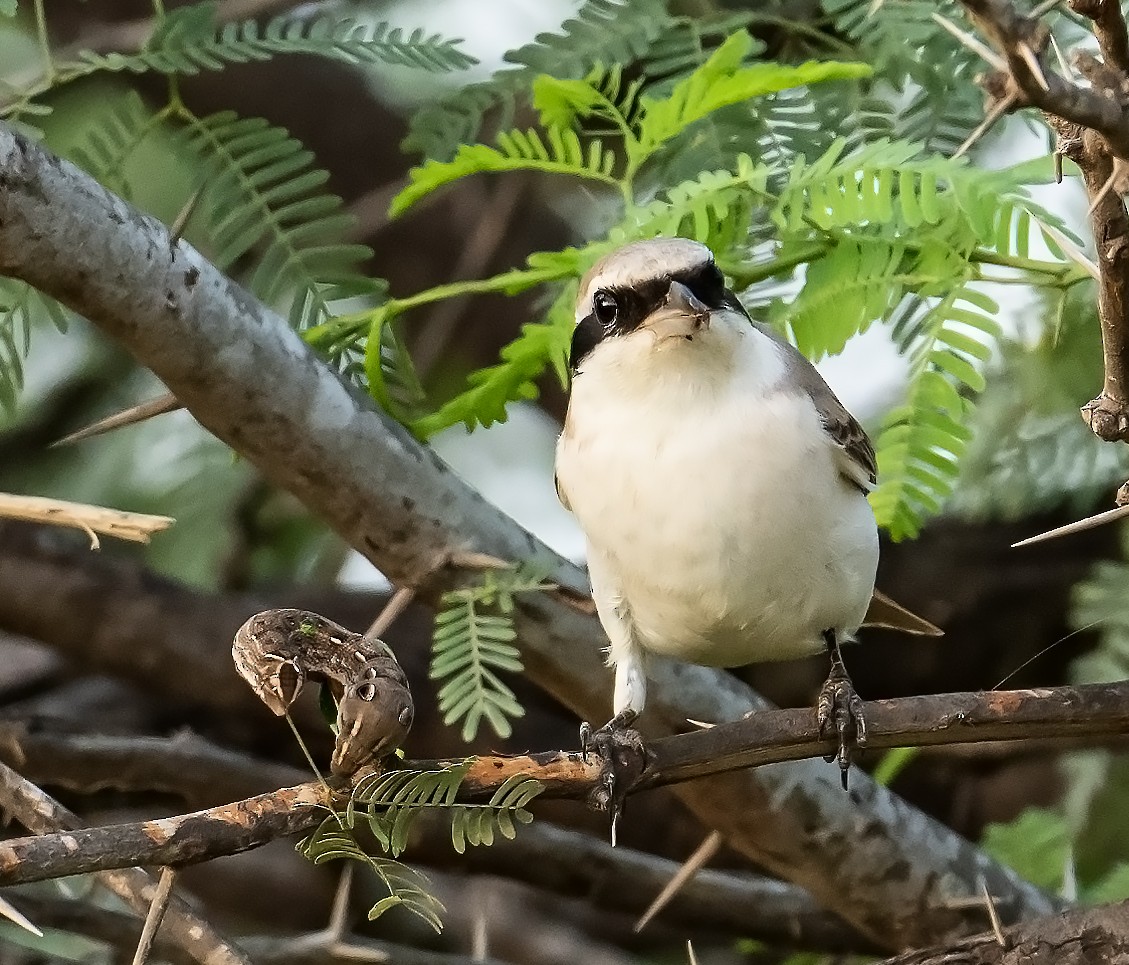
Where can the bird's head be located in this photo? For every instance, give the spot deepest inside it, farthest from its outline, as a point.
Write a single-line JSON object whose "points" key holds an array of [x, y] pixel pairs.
{"points": [[663, 289]]}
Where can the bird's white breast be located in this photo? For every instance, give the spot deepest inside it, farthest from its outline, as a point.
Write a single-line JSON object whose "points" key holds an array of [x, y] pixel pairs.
{"points": [[710, 495]]}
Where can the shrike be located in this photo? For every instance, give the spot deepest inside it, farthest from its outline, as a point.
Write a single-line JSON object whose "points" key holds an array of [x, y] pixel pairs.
{"points": [[720, 484]]}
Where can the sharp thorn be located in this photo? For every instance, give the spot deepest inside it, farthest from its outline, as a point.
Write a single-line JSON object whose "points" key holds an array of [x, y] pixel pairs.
{"points": [[976, 46], [1032, 62], [127, 417], [1090, 522]]}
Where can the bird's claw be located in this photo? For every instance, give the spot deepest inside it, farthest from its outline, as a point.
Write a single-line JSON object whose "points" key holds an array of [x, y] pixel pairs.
{"points": [[624, 758], [840, 706]]}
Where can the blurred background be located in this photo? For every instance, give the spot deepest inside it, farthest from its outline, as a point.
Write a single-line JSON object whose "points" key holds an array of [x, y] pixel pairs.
{"points": [[135, 641]]}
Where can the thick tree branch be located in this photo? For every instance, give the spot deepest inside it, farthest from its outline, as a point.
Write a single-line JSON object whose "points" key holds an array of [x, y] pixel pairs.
{"points": [[187, 765], [1010, 32], [250, 380], [767, 737], [1093, 131], [182, 926], [1080, 936]]}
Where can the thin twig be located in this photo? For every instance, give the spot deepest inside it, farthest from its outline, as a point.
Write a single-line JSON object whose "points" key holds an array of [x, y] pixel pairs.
{"points": [[690, 867], [1090, 522], [127, 417], [137, 527], [997, 111], [993, 915], [972, 43], [155, 916], [1033, 65], [396, 605]]}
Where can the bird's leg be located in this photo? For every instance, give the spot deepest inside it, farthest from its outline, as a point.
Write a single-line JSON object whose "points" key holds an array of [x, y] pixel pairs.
{"points": [[621, 748], [839, 705]]}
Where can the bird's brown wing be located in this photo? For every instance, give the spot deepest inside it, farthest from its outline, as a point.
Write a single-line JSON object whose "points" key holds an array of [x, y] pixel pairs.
{"points": [[857, 464]]}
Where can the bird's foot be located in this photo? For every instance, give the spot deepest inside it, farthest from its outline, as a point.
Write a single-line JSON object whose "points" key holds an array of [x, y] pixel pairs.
{"points": [[624, 757], [840, 707]]}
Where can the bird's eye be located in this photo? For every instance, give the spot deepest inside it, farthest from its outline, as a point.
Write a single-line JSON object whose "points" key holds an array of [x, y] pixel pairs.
{"points": [[605, 306], [406, 717], [366, 692]]}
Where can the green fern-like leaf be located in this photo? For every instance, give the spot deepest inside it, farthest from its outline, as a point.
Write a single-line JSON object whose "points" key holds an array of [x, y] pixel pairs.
{"points": [[265, 193], [856, 283], [394, 800], [558, 152], [720, 82], [110, 144], [187, 41], [19, 306], [333, 841], [472, 643], [921, 442], [540, 345], [601, 32]]}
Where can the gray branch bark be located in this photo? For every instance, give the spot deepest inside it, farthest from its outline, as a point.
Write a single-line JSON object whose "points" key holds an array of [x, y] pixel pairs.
{"points": [[890, 870]]}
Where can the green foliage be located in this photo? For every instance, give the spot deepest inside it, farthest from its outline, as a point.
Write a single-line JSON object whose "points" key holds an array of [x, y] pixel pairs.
{"points": [[263, 193], [188, 41], [559, 152], [484, 402], [392, 801], [333, 840], [911, 52], [1030, 451], [20, 304], [110, 144], [388, 803], [645, 123], [1036, 844], [473, 641], [603, 31]]}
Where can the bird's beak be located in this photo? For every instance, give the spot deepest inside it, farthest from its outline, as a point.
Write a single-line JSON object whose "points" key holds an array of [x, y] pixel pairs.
{"points": [[682, 315]]}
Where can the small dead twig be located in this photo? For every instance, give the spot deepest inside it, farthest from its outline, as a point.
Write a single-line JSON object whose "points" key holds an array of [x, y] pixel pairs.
{"points": [[690, 867], [92, 520], [155, 916], [141, 412]]}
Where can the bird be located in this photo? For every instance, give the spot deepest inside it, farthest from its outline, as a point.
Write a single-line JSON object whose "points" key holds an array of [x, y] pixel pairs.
{"points": [[720, 485]]}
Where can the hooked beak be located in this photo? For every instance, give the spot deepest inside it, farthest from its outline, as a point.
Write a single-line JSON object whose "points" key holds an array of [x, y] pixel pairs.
{"points": [[682, 315]]}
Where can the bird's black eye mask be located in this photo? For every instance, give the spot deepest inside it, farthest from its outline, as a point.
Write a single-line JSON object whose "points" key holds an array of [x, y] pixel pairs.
{"points": [[619, 311]]}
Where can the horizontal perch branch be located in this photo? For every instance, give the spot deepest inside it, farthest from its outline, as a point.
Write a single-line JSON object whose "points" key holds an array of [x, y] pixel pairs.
{"points": [[767, 737]]}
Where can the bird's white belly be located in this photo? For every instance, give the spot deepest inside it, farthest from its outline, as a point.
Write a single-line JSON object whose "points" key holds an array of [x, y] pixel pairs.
{"points": [[725, 527]]}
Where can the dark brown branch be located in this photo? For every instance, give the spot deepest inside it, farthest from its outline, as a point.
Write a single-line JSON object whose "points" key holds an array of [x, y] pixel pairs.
{"points": [[182, 926], [1109, 28], [1093, 131], [1009, 32], [186, 765], [1080, 936], [767, 737], [713, 902]]}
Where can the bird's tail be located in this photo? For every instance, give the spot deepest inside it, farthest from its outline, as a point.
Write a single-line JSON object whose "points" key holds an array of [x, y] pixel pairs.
{"points": [[884, 612]]}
